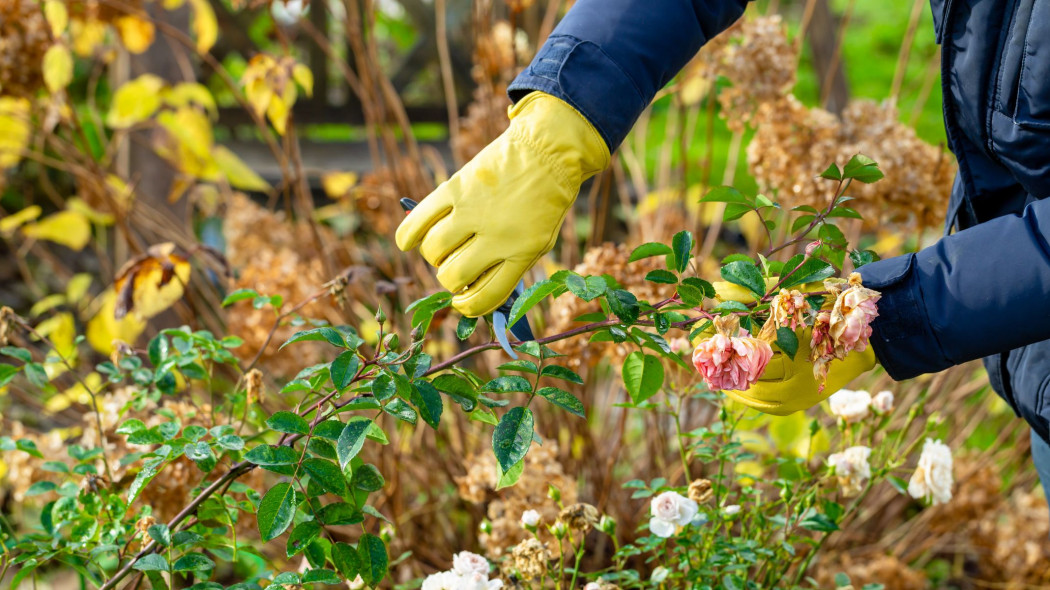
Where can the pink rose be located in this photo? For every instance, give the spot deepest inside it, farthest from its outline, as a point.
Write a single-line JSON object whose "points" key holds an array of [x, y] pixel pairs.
{"points": [[851, 317], [812, 247], [732, 358]]}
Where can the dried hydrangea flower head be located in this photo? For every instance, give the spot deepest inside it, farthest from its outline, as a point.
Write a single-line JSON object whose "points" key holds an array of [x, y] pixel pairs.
{"points": [[732, 358]]}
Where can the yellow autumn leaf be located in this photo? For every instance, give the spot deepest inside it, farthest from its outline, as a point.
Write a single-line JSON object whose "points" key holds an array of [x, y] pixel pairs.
{"points": [[190, 93], [119, 190], [77, 287], [134, 102], [47, 304], [80, 206], [205, 26], [135, 33], [304, 78], [78, 394], [57, 16], [3, 466], [16, 220], [191, 128], [61, 330], [277, 112], [239, 174], [14, 130], [151, 283], [58, 67], [104, 327], [87, 36], [173, 4], [68, 228], [338, 184]]}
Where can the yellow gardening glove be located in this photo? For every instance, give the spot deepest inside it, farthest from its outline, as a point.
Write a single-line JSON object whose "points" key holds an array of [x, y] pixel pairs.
{"points": [[787, 386], [487, 225]]}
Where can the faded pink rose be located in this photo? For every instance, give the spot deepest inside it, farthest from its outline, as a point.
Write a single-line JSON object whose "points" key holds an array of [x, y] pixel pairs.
{"points": [[732, 358], [851, 317], [788, 309]]}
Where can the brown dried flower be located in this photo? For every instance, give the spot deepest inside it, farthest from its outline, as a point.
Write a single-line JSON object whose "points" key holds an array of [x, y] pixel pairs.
{"points": [[7, 322], [529, 559], [701, 491], [253, 382], [580, 517], [24, 39]]}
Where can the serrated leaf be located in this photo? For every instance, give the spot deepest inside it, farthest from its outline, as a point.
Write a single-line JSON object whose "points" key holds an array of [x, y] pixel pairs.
{"points": [[340, 513], [400, 409], [346, 560], [643, 375], [460, 390], [649, 250], [276, 511], [863, 169], [373, 558], [151, 563], [466, 327], [701, 285], [811, 270], [858, 257], [351, 439], [288, 422], [326, 474], [801, 222], [661, 276], [267, 455], [510, 477], [513, 436], [344, 369], [322, 334], [624, 304], [682, 244], [563, 373], [832, 172], [368, 478], [563, 399], [533, 295], [508, 384], [302, 535], [725, 194], [426, 397], [745, 274], [734, 211], [192, 562]]}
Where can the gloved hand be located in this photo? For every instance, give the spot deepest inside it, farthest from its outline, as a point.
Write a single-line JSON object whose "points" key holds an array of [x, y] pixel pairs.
{"points": [[787, 386], [488, 224]]}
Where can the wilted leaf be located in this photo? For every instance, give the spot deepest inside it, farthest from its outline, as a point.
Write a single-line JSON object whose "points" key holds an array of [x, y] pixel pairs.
{"points": [[104, 327], [205, 26], [151, 283], [304, 78], [13, 221], [239, 174]]}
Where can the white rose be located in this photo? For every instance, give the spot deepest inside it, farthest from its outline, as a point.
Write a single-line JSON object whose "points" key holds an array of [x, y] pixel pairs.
{"points": [[852, 468], [731, 509], [851, 406], [883, 402], [465, 563], [659, 575], [357, 583], [933, 477], [592, 586], [669, 511], [530, 518], [441, 581], [477, 581]]}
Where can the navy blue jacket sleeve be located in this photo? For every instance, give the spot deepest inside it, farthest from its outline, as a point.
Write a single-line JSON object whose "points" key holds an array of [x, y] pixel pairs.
{"points": [[608, 58], [981, 291]]}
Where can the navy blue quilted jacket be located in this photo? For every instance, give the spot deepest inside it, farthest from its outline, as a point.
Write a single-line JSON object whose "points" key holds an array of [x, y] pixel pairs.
{"points": [[981, 292]]}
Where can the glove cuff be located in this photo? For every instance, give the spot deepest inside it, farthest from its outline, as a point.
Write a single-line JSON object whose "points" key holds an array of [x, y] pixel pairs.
{"points": [[568, 140]]}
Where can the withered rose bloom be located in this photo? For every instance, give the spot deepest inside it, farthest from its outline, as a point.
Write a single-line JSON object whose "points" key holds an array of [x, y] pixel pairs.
{"points": [[529, 559], [701, 490], [732, 358], [788, 309], [580, 517], [851, 317]]}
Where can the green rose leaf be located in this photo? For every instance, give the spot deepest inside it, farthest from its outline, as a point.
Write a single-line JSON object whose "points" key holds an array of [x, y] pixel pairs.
{"points": [[745, 274], [344, 369], [326, 474], [276, 511], [351, 439], [371, 552], [301, 536], [643, 375], [787, 341], [513, 436], [427, 398], [289, 423], [563, 399]]}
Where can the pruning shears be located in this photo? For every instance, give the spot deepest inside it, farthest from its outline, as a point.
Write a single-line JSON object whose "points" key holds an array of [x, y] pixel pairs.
{"points": [[520, 330]]}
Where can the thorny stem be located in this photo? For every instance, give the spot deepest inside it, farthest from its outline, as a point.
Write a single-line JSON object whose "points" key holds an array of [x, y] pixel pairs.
{"points": [[819, 218]]}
